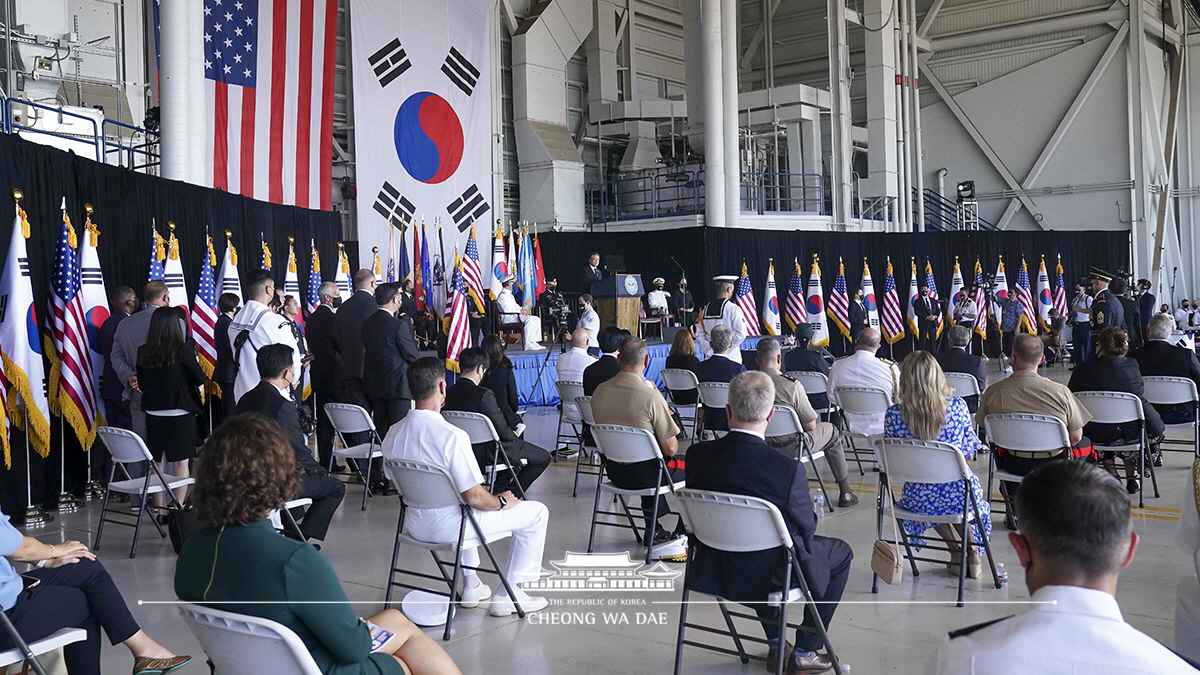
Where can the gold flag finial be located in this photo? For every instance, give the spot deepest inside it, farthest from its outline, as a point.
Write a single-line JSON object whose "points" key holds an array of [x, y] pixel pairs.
{"points": [[291, 240], [229, 234], [340, 246], [171, 226], [18, 195], [87, 209]]}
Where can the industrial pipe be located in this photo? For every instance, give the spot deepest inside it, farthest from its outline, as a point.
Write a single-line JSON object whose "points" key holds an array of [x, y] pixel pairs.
{"points": [[174, 90]]}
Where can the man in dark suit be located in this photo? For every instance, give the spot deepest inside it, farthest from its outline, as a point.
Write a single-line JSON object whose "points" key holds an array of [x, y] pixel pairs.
{"points": [[323, 371], [1159, 357], [347, 336], [718, 368], [590, 274], [742, 463], [466, 395], [928, 310], [225, 370], [859, 318], [116, 409], [957, 360], [606, 367], [389, 346], [271, 399]]}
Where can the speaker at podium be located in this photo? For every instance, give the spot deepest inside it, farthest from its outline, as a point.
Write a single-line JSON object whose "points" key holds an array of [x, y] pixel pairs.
{"points": [[618, 299]]}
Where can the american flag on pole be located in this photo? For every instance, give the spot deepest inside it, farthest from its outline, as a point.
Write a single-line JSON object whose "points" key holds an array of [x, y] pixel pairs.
{"points": [[458, 332], [471, 273], [269, 74], [1060, 291], [204, 313], [77, 395], [933, 294], [158, 253], [892, 320], [980, 302], [1025, 297], [95, 299], [839, 301], [743, 297], [314, 279], [793, 307]]}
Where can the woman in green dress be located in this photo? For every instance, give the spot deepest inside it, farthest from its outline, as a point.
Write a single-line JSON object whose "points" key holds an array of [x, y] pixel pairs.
{"points": [[246, 470]]}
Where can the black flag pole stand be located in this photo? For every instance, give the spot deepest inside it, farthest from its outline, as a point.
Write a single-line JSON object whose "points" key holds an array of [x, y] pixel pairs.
{"points": [[67, 502], [35, 516]]}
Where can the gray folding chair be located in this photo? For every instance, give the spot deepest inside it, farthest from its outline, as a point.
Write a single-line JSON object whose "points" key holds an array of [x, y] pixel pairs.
{"points": [[681, 380], [348, 418], [424, 486], [29, 651], [239, 644], [1026, 435], [860, 401], [785, 422], [481, 431], [1116, 407], [588, 460], [1175, 391], [568, 391], [964, 384], [741, 524], [127, 447], [712, 395], [815, 383]]}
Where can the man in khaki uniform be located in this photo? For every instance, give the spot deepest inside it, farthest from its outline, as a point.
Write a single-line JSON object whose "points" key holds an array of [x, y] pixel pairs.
{"points": [[629, 400], [822, 436]]}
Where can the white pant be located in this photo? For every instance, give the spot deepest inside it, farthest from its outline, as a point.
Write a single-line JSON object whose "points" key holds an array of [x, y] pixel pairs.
{"points": [[533, 331], [1187, 618], [526, 522]]}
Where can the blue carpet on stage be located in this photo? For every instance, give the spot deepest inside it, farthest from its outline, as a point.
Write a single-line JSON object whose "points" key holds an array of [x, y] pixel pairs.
{"points": [[533, 393]]}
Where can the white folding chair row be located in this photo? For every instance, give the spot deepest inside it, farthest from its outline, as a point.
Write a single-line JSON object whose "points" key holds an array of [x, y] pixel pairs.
{"points": [[785, 422], [681, 380], [964, 384], [568, 391], [480, 430], [1043, 435], [239, 644], [348, 418], [712, 395], [1176, 391], [56, 640], [1116, 407], [860, 401], [814, 383]]}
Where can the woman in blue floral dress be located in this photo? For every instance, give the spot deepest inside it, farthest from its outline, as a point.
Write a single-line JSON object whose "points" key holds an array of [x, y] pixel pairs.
{"points": [[928, 410]]}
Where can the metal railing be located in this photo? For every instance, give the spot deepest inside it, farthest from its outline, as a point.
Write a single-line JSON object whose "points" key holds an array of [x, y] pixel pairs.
{"points": [[11, 125], [120, 142], [127, 155], [941, 214], [765, 192]]}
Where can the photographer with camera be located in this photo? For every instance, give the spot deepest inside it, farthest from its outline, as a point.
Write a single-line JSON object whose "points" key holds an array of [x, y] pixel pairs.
{"points": [[557, 312]]}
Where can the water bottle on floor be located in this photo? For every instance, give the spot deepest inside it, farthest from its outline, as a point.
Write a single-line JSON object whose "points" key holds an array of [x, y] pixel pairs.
{"points": [[819, 502], [1001, 573]]}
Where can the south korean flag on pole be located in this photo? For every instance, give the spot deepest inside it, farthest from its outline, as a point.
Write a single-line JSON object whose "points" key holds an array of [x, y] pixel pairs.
{"points": [[423, 116]]}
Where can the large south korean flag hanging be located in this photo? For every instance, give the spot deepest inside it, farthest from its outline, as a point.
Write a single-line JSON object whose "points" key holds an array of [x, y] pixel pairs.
{"points": [[422, 117]]}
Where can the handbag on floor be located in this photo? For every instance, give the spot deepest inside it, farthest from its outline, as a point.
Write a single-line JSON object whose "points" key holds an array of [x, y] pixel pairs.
{"points": [[181, 524], [886, 561]]}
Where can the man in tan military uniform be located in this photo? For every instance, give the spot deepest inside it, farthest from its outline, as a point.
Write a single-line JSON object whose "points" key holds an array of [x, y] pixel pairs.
{"points": [[821, 436]]}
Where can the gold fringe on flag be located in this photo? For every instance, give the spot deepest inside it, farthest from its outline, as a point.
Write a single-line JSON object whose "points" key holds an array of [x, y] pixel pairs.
{"points": [[39, 434]]}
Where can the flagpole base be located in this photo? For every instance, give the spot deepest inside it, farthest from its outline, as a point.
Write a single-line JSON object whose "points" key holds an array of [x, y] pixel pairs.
{"points": [[36, 516], [93, 491], [68, 503]]}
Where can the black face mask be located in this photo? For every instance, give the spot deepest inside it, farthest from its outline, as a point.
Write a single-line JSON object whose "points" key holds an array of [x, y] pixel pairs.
{"points": [[337, 302]]}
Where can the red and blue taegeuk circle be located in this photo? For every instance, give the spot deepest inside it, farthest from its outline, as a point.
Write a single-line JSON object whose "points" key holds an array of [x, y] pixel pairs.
{"points": [[96, 317], [428, 137], [31, 330]]}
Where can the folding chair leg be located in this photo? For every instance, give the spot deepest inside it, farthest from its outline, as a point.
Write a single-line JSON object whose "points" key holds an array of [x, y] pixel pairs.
{"points": [[137, 528], [651, 530], [737, 637], [878, 534], [817, 474], [1149, 466], [967, 538], [503, 577], [112, 475], [629, 516], [683, 608], [912, 560], [595, 517], [781, 655], [387, 601], [986, 543], [820, 625], [462, 530]]}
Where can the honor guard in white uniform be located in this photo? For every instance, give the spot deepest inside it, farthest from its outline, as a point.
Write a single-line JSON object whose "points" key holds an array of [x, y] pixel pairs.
{"points": [[722, 310], [510, 311], [864, 369], [656, 300]]}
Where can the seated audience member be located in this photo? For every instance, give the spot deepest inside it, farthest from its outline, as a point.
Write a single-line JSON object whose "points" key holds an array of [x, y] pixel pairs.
{"points": [[467, 395], [929, 411], [864, 369], [957, 360], [606, 366], [573, 362], [423, 436], [1113, 371], [501, 380], [626, 400], [1076, 537], [683, 357], [809, 359], [272, 400], [72, 590], [238, 563], [511, 312], [1187, 607], [1160, 357], [1024, 391], [718, 368], [742, 463], [821, 436]]}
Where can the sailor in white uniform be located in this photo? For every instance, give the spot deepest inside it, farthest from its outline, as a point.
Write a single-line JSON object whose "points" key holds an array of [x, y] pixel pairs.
{"points": [[656, 300], [722, 310], [511, 311]]}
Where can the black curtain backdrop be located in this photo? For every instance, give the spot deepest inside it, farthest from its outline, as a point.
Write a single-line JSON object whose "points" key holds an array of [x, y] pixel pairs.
{"points": [[126, 203]]}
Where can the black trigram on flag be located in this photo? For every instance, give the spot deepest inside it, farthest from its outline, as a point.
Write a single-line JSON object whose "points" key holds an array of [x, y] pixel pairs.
{"points": [[461, 72], [468, 208], [389, 62], [392, 206]]}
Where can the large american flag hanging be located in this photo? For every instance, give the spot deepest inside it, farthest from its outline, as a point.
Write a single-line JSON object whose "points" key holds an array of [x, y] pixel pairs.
{"points": [[77, 394], [269, 69], [204, 313], [743, 297]]}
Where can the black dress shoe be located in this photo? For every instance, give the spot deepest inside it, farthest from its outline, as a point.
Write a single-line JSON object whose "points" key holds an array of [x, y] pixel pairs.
{"points": [[847, 500], [384, 490], [1132, 486], [773, 654]]}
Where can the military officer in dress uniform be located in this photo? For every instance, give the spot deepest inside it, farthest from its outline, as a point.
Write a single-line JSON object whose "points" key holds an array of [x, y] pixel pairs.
{"points": [[654, 303], [1106, 308], [864, 369], [722, 310]]}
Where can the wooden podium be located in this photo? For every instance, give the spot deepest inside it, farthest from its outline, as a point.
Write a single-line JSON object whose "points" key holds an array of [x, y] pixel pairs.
{"points": [[618, 300]]}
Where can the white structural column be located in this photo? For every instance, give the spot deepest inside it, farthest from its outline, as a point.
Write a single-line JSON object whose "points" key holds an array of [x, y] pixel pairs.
{"points": [[1137, 157], [839, 122], [729, 112], [904, 204], [175, 90], [714, 119], [881, 101], [916, 148], [196, 98]]}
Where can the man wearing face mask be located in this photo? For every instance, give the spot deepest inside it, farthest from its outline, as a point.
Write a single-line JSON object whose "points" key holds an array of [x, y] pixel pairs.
{"points": [[320, 328], [928, 310], [1183, 316], [683, 304], [858, 315], [1081, 332]]}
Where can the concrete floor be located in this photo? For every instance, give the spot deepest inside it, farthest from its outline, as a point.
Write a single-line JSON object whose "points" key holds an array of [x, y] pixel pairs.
{"points": [[897, 630]]}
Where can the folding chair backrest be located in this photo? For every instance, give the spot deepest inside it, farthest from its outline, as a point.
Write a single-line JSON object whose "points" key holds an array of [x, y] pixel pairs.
{"points": [[477, 425], [568, 390], [1162, 390], [913, 461], [585, 409], [734, 523], [625, 444], [422, 486], [812, 381], [964, 384], [862, 400], [1026, 432], [124, 445], [678, 379], [713, 394], [239, 644], [1111, 407], [348, 418], [784, 422]]}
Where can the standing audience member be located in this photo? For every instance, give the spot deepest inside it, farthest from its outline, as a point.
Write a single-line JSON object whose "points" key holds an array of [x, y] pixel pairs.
{"points": [[589, 319], [1107, 311], [238, 563], [929, 411], [127, 340], [821, 437], [72, 590], [528, 460], [112, 387], [1114, 371], [1075, 538], [864, 369], [255, 327], [626, 400], [684, 304], [348, 338], [720, 367], [511, 311], [958, 360], [859, 317], [324, 368], [722, 311], [423, 436], [1131, 311], [1159, 357], [501, 379], [1011, 311], [574, 361], [683, 357], [1081, 332], [272, 399], [1146, 301], [928, 311], [606, 367], [389, 348], [170, 379], [742, 463], [225, 369]]}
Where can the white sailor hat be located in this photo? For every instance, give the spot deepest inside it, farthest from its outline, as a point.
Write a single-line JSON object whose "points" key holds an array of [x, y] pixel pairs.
{"points": [[725, 277], [658, 280], [508, 279]]}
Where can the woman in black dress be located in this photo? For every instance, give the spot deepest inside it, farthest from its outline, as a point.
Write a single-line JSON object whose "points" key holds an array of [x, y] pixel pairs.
{"points": [[170, 378], [683, 357], [500, 379]]}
